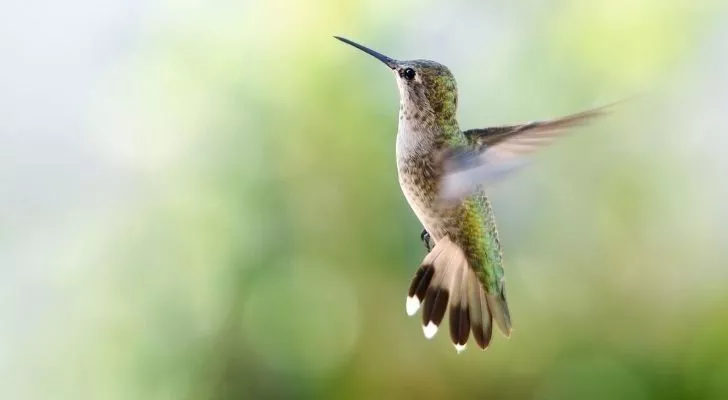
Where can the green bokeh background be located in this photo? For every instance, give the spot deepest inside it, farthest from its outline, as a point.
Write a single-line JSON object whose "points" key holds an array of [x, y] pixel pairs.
{"points": [[216, 214]]}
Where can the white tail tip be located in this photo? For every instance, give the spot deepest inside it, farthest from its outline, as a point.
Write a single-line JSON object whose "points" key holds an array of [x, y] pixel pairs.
{"points": [[459, 348], [430, 330], [412, 305]]}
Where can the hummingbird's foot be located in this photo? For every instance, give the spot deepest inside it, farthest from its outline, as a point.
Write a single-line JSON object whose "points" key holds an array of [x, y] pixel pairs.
{"points": [[425, 237]]}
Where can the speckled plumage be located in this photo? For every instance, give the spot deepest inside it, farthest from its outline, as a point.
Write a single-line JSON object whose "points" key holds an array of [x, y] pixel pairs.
{"points": [[442, 171], [470, 224], [428, 118]]}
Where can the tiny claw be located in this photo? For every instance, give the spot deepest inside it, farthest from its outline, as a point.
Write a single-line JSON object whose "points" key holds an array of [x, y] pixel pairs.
{"points": [[425, 237]]}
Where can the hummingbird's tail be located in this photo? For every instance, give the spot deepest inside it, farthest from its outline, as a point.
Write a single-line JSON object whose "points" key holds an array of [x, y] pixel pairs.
{"points": [[443, 279]]}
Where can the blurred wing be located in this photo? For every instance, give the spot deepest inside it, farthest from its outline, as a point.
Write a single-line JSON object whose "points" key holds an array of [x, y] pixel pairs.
{"points": [[496, 151], [467, 168]]}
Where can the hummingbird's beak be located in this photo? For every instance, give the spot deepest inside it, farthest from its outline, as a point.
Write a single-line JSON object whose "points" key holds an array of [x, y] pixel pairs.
{"points": [[379, 56]]}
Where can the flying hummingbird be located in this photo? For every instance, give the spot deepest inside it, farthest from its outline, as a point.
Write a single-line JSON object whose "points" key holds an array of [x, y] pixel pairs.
{"points": [[442, 171]]}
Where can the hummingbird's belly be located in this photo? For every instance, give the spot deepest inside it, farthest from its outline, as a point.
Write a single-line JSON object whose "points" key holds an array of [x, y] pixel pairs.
{"points": [[469, 224], [419, 186]]}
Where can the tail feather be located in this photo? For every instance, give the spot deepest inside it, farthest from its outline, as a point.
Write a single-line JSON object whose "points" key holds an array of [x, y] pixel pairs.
{"points": [[498, 306], [438, 292], [434, 311], [460, 310], [445, 281], [418, 288], [480, 318]]}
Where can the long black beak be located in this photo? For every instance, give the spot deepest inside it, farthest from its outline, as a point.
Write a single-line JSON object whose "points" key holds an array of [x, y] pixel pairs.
{"points": [[391, 63]]}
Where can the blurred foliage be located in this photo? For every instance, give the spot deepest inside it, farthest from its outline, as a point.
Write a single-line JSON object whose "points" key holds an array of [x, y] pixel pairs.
{"points": [[264, 247]]}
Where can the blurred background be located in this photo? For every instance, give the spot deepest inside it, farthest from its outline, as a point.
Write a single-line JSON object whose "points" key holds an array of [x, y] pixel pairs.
{"points": [[198, 200]]}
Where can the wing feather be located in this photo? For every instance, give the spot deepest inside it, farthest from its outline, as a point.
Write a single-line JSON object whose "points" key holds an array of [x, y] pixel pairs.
{"points": [[494, 152]]}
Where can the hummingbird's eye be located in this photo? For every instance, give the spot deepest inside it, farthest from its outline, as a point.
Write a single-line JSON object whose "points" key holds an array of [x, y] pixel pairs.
{"points": [[408, 74]]}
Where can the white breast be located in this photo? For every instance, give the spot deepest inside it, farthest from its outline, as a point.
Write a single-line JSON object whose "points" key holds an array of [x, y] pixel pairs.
{"points": [[411, 145]]}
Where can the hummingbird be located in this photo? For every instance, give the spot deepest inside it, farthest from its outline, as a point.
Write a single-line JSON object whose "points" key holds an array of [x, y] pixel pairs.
{"points": [[443, 172]]}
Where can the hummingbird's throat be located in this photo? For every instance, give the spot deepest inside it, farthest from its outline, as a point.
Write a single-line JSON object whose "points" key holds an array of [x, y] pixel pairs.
{"points": [[428, 104]]}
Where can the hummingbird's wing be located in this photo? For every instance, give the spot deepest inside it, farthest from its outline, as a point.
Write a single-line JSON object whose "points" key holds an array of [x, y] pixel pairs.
{"points": [[525, 138], [494, 152]]}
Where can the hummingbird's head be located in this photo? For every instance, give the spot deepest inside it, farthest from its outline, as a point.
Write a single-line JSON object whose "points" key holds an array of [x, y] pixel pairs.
{"points": [[427, 89]]}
